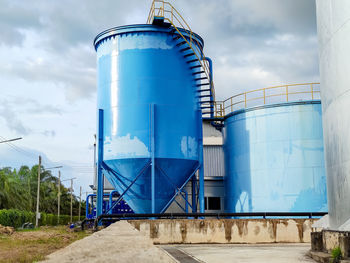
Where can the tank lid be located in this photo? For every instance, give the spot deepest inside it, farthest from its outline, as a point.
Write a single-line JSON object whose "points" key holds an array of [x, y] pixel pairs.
{"points": [[139, 28]]}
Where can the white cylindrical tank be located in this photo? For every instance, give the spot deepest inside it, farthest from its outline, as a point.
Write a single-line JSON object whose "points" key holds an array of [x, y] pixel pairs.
{"points": [[333, 22]]}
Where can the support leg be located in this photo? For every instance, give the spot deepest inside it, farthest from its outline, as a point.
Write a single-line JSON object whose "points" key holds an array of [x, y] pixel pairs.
{"points": [[99, 205], [194, 194], [153, 179]]}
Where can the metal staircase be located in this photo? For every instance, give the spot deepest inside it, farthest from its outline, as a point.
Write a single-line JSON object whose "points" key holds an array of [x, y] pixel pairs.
{"points": [[164, 14]]}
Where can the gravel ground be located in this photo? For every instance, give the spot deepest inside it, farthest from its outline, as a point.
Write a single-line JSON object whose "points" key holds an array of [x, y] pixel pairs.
{"points": [[120, 242]]}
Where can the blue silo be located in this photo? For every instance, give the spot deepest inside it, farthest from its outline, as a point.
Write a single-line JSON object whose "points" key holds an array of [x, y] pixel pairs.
{"points": [[147, 89], [274, 159]]}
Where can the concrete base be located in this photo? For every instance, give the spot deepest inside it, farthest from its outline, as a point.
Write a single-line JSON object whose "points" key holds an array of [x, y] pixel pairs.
{"points": [[322, 243], [225, 231]]}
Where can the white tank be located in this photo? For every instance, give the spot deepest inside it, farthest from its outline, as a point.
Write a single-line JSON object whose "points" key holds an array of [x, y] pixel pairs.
{"points": [[333, 22]]}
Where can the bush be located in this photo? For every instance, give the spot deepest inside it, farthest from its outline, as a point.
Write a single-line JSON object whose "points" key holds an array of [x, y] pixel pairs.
{"points": [[16, 218], [336, 255]]}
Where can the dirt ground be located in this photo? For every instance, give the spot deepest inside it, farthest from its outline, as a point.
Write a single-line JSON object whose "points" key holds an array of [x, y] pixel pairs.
{"points": [[34, 245], [120, 242]]}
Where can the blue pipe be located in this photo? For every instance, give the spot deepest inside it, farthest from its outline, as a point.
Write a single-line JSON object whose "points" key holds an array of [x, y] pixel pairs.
{"points": [[87, 204], [201, 166], [99, 205]]}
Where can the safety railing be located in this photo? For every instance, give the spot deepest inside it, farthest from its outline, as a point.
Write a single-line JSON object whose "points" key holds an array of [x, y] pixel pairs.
{"points": [[276, 94], [166, 10]]}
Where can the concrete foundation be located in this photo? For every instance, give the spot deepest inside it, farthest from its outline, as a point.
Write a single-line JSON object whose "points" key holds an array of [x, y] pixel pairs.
{"points": [[326, 240], [226, 231]]}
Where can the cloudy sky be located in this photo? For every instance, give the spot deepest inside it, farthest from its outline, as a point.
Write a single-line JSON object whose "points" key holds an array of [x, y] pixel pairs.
{"points": [[48, 65]]}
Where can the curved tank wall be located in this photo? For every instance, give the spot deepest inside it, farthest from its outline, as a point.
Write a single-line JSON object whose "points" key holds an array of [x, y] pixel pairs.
{"points": [[274, 159], [333, 25], [146, 89]]}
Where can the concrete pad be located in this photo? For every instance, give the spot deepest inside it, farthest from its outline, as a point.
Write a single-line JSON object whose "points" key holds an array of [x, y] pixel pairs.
{"points": [[120, 242], [271, 253]]}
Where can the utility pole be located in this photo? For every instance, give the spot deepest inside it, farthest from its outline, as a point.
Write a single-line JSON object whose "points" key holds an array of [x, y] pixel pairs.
{"points": [[71, 200], [79, 203], [59, 198], [37, 215]]}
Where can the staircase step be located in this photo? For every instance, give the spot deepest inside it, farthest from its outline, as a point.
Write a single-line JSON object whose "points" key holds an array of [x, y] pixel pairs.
{"points": [[193, 60], [200, 78], [184, 49], [204, 96], [181, 43], [208, 107], [198, 72], [203, 90], [177, 37], [203, 84], [197, 66], [189, 55]]}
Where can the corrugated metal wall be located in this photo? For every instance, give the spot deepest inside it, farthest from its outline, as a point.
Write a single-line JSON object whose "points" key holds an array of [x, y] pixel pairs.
{"points": [[213, 156]]}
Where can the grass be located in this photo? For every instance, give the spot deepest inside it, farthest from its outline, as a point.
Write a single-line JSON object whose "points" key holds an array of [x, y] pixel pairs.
{"points": [[33, 245]]}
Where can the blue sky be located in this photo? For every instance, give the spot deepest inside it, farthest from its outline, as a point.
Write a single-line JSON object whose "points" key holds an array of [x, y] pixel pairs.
{"points": [[48, 65]]}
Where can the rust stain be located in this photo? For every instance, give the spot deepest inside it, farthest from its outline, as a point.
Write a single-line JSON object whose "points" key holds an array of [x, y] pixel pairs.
{"points": [[228, 229], [272, 228], [256, 230], [153, 229], [300, 226], [136, 224], [183, 230], [242, 226]]}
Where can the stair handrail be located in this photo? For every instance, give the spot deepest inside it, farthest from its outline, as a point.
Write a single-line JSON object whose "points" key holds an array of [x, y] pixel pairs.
{"points": [[162, 10]]}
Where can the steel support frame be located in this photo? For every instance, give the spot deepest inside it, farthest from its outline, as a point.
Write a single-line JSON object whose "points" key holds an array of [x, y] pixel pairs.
{"points": [[102, 166], [100, 176]]}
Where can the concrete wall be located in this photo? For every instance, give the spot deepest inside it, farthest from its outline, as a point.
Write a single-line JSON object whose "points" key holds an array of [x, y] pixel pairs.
{"points": [[224, 231]]}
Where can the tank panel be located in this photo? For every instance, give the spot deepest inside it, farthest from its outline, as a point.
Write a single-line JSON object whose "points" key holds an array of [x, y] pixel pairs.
{"points": [[274, 159]]}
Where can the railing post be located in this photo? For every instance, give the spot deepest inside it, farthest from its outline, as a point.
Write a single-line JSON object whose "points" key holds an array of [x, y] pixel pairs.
{"points": [[245, 100], [312, 91], [287, 92], [264, 97], [172, 15]]}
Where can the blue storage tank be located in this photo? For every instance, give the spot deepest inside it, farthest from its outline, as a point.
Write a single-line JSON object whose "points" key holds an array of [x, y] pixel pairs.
{"points": [[147, 90], [274, 159]]}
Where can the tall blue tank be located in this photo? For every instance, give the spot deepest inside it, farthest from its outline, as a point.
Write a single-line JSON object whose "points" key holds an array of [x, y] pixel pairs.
{"points": [[147, 90], [274, 159]]}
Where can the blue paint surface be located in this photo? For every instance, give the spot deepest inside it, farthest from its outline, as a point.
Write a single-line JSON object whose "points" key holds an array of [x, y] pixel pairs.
{"points": [[274, 159], [140, 65]]}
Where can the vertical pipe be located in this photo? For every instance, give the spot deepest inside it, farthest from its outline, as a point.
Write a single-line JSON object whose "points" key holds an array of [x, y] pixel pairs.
{"points": [[186, 201], [99, 164], [194, 197], [153, 191], [87, 206], [201, 167]]}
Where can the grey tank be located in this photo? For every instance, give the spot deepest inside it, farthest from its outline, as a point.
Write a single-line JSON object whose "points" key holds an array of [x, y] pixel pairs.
{"points": [[333, 23]]}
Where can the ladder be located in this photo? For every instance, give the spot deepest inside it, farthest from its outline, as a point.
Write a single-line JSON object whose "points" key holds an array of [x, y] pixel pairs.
{"points": [[162, 13]]}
